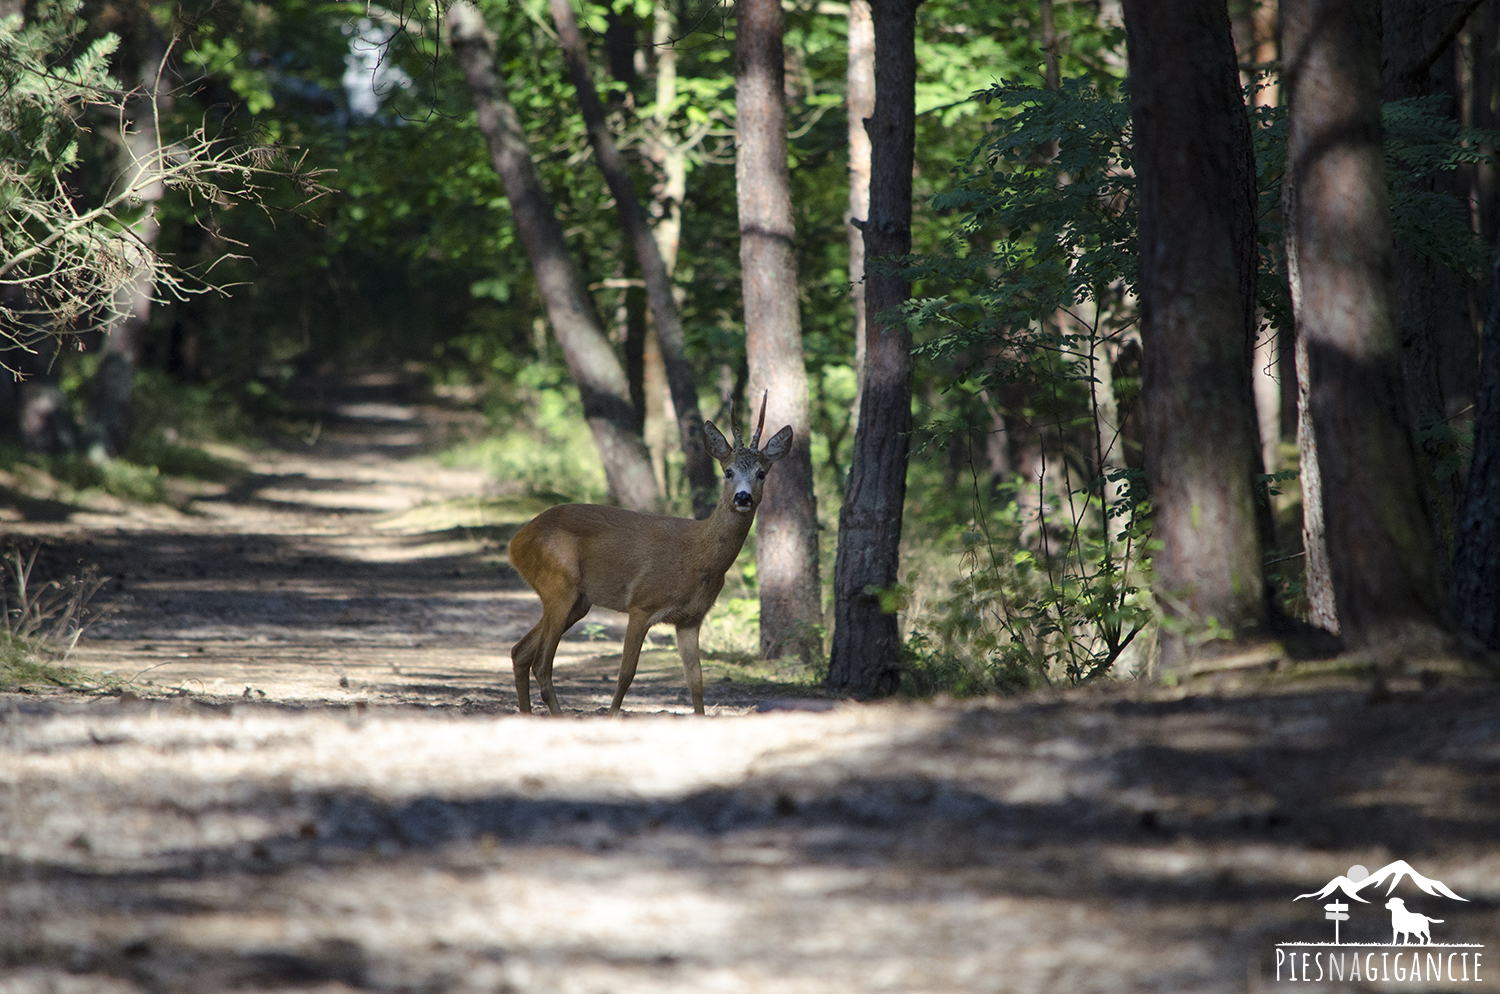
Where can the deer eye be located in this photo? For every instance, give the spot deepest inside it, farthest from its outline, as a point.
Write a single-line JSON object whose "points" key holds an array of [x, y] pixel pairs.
{"points": [[729, 474], [760, 474]]}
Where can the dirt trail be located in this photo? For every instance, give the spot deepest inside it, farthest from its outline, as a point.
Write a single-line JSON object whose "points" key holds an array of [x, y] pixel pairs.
{"points": [[349, 567], [406, 832]]}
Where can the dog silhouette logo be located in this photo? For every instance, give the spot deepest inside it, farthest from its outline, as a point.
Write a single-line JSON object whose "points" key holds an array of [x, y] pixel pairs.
{"points": [[1408, 923], [1412, 954]]}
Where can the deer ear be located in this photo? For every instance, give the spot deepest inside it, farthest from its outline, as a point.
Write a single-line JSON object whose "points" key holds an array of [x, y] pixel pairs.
{"points": [[717, 446], [779, 445]]}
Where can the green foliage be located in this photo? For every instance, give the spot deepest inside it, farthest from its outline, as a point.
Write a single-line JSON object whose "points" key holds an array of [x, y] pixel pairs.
{"points": [[542, 443], [1051, 585]]}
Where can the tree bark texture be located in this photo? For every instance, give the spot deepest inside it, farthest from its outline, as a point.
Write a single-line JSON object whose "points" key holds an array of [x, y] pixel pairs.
{"points": [[866, 657], [860, 103], [593, 364], [787, 532], [1476, 558], [702, 477], [1317, 574], [1196, 197], [1382, 553]]}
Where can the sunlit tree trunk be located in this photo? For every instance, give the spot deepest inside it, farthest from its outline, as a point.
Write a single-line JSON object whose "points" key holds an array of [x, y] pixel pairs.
{"points": [[702, 479], [787, 530], [859, 97], [595, 368], [1381, 549], [1196, 197], [667, 194], [866, 658]]}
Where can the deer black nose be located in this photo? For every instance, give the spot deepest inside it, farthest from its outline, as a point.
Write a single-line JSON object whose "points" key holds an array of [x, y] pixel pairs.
{"points": [[742, 498]]}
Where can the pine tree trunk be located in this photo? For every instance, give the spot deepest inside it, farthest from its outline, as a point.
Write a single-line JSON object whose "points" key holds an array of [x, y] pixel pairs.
{"points": [[860, 100], [702, 478], [1196, 198], [866, 657], [591, 361], [1381, 549], [787, 530], [1317, 575]]}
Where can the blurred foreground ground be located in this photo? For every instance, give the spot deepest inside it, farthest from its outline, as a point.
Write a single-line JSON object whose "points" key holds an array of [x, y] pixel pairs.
{"points": [[318, 783]]}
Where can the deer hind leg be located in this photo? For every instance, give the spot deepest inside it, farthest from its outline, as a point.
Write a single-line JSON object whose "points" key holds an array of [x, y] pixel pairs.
{"points": [[552, 634], [635, 635], [692, 665], [521, 656]]}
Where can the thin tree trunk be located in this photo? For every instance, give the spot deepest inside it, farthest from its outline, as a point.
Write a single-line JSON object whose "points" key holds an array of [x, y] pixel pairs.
{"points": [[666, 205], [702, 479], [866, 658], [1196, 196], [1476, 558], [595, 367], [108, 430], [1381, 549], [791, 611], [860, 101]]}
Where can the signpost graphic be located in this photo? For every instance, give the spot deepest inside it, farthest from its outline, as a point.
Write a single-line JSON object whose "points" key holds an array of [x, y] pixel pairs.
{"points": [[1337, 912]]}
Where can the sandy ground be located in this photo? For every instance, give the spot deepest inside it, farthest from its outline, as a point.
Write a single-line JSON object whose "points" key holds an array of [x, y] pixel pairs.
{"points": [[318, 783]]}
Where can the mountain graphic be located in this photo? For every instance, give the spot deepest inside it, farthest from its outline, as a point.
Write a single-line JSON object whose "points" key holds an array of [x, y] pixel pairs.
{"points": [[1394, 872]]}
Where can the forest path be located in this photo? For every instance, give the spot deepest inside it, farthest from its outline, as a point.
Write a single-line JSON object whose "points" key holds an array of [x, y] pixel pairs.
{"points": [[406, 833], [350, 566]]}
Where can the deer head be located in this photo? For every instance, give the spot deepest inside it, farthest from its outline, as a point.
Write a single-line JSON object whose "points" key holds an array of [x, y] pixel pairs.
{"points": [[745, 466]]}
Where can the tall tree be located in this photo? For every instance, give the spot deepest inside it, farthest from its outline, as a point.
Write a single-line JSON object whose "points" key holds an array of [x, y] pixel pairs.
{"points": [[1196, 197], [859, 96], [866, 654], [702, 480], [595, 368], [1382, 551], [787, 534]]}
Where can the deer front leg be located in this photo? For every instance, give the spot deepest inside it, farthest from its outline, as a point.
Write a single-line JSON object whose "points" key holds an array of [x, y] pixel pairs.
{"points": [[692, 665], [635, 635]]}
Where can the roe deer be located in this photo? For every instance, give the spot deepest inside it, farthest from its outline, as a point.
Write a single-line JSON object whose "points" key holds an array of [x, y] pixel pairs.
{"points": [[653, 567]]}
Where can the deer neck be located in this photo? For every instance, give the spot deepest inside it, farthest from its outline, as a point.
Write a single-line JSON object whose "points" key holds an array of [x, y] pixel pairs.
{"points": [[722, 534]]}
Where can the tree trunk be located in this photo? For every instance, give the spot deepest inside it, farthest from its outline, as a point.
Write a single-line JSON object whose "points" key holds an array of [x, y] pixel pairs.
{"points": [[787, 533], [108, 430], [1196, 198], [866, 659], [1317, 574], [702, 478], [595, 367], [1476, 557], [860, 101], [1381, 549]]}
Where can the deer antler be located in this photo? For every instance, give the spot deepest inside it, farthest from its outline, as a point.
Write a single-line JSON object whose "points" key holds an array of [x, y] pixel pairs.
{"points": [[755, 442]]}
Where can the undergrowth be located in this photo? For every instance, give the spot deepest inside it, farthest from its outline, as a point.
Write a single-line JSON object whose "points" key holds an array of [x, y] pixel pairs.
{"points": [[42, 624]]}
